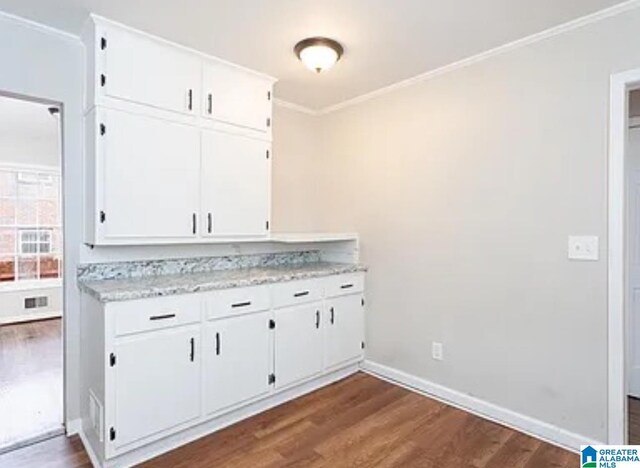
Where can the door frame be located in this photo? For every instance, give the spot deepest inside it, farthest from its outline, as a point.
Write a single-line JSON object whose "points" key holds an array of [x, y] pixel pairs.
{"points": [[620, 85], [64, 349]]}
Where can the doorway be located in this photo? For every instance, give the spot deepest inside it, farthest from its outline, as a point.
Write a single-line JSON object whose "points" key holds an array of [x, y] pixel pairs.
{"points": [[31, 265]]}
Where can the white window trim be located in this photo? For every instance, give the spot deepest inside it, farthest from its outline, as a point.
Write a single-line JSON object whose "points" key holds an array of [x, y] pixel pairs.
{"points": [[37, 231], [20, 284]]}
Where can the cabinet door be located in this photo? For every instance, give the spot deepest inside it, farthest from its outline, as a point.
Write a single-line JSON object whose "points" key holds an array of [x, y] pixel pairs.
{"points": [[298, 343], [234, 96], [344, 329], [235, 185], [142, 70], [149, 177], [157, 382], [236, 360]]}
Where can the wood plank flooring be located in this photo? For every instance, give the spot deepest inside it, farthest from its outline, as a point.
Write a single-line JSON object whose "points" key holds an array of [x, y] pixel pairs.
{"points": [[633, 405], [357, 422], [30, 381]]}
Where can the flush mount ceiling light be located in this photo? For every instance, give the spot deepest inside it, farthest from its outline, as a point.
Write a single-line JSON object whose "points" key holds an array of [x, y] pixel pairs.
{"points": [[318, 53]]}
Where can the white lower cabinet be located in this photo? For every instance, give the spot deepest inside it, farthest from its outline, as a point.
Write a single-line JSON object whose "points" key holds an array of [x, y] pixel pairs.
{"points": [[172, 367], [344, 338], [298, 343], [236, 360], [156, 382]]}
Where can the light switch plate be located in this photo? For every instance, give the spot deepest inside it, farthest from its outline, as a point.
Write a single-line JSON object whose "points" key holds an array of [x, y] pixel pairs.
{"points": [[583, 248]]}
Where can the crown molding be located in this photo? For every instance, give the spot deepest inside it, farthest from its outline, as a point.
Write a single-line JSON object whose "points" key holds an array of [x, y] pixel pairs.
{"points": [[519, 43], [295, 107], [38, 26]]}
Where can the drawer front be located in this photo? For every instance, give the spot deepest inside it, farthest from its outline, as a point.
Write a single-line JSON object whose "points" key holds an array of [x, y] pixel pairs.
{"points": [[155, 313], [296, 292], [340, 285], [236, 301]]}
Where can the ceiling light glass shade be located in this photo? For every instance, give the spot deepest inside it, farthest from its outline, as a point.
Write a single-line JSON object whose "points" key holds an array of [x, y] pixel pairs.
{"points": [[318, 53]]}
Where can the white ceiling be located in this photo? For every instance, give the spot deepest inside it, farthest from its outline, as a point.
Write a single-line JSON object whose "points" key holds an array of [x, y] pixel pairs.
{"points": [[28, 133], [385, 41]]}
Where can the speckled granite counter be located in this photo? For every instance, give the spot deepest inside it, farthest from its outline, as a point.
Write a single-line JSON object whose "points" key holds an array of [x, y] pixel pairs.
{"points": [[123, 289]]}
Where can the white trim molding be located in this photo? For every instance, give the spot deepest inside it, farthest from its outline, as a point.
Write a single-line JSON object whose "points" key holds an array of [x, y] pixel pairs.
{"points": [[508, 47], [620, 85], [295, 107], [533, 38], [38, 26], [512, 419]]}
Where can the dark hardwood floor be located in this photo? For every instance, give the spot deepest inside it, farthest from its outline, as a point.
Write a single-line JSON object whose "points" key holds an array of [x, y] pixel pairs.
{"points": [[634, 420], [357, 422], [30, 381]]}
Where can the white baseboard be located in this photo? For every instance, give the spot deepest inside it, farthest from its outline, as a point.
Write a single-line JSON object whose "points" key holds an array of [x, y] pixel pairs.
{"points": [[153, 449], [95, 461], [30, 317], [526, 424], [73, 427]]}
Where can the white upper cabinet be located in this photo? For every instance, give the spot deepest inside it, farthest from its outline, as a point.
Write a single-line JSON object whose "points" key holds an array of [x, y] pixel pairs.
{"points": [[140, 69], [235, 96], [148, 171], [235, 185], [185, 156]]}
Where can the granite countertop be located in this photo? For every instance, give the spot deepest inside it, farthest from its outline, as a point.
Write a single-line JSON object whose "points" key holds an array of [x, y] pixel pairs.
{"points": [[111, 290]]}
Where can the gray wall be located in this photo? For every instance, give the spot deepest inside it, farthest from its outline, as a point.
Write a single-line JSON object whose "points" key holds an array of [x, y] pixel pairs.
{"points": [[49, 66], [464, 189]]}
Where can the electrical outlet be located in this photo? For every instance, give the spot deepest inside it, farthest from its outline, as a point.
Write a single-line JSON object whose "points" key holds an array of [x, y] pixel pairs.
{"points": [[437, 351]]}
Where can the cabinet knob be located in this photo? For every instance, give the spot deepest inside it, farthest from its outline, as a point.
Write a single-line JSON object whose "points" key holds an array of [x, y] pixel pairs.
{"points": [[333, 316], [317, 319], [210, 104], [217, 344], [209, 223], [192, 355], [193, 223], [190, 100]]}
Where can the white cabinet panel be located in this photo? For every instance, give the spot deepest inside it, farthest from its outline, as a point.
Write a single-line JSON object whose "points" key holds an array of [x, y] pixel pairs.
{"points": [[149, 174], [235, 185], [344, 329], [237, 360], [296, 292], [298, 343], [145, 71], [235, 96], [236, 301], [157, 382]]}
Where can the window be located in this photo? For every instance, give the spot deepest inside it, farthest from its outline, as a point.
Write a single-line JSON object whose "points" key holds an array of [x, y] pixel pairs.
{"points": [[35, 241], [30, 225]]}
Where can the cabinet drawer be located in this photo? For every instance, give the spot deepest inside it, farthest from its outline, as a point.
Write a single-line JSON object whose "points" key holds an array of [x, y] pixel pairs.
{"points": [[155, 313], [296, 292], [344, 284], [236, 301]]}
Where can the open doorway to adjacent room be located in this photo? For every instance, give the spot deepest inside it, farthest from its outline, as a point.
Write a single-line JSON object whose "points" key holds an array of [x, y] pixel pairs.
{"points": [[31, 290]]}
